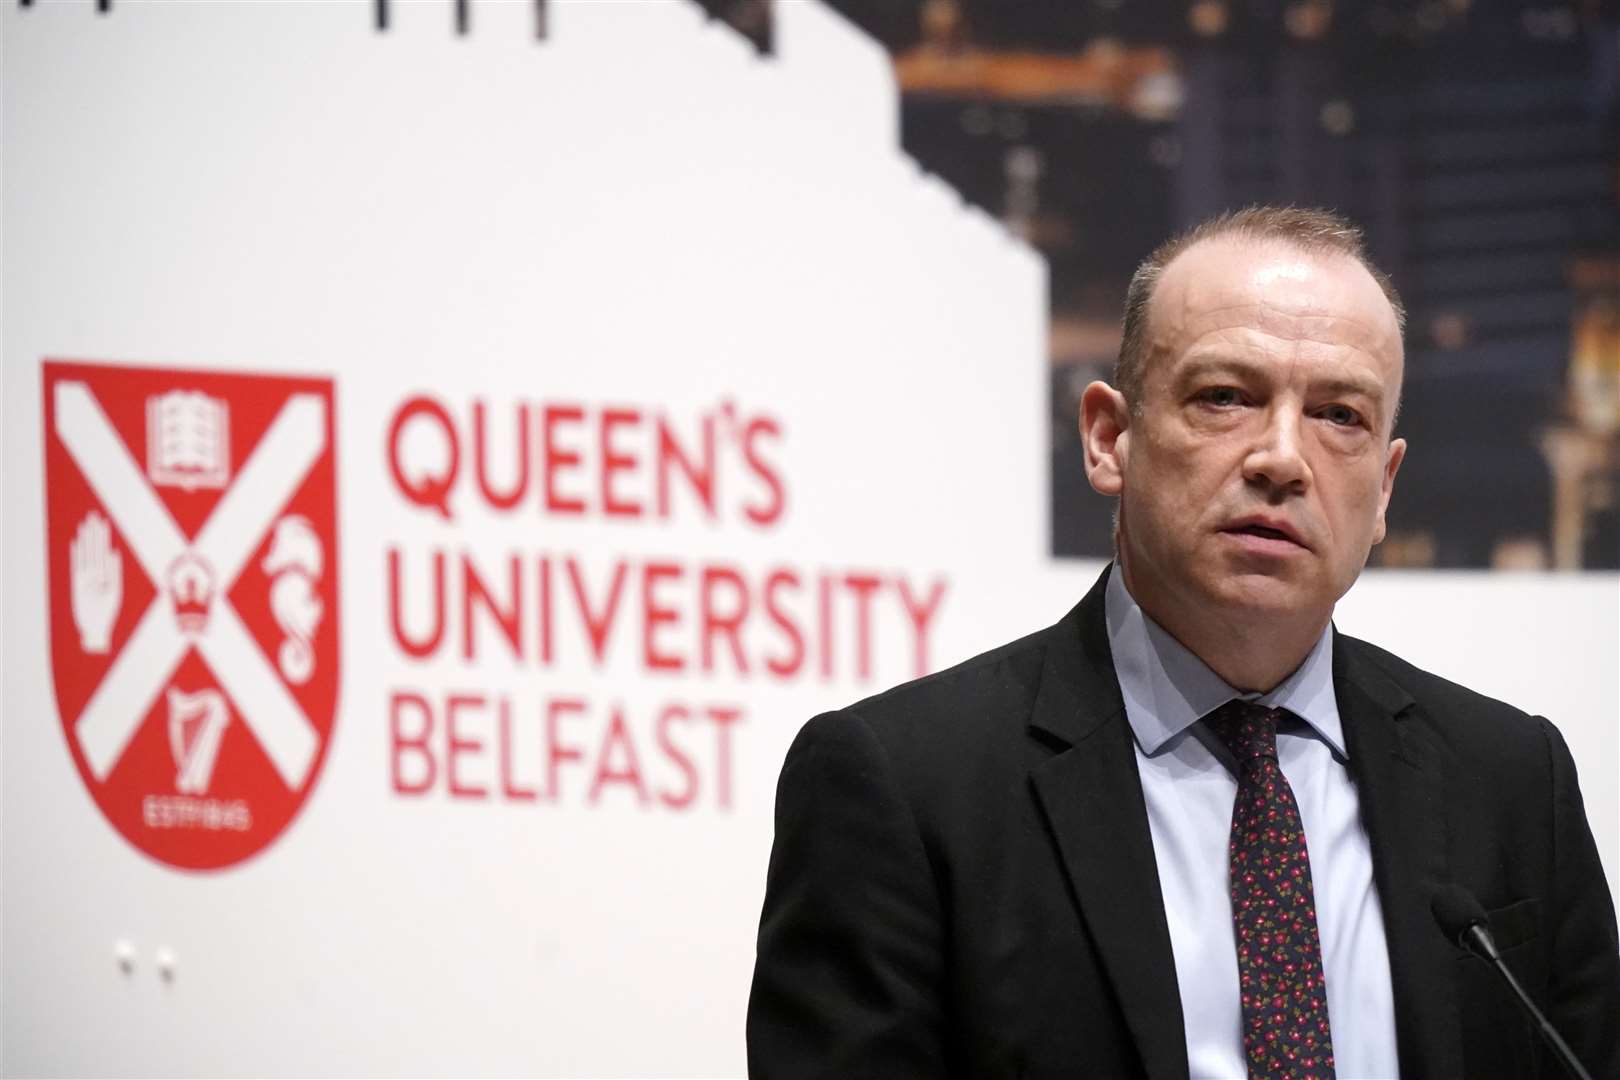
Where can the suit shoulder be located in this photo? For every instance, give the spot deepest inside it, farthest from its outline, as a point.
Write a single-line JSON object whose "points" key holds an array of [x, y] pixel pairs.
{"points": [[947, 745], [974, 696], [1447, 703], [1012, 666]]}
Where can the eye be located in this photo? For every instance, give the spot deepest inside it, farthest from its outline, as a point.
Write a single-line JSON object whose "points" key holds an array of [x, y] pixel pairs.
{"points": [[1341, 415], [1222, 397]]}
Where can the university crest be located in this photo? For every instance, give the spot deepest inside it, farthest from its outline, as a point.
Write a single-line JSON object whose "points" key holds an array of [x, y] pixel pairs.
{"points": [[191, 531]]}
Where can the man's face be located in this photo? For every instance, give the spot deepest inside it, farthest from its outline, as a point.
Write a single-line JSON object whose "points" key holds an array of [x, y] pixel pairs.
{"points": [[1256, 468]]}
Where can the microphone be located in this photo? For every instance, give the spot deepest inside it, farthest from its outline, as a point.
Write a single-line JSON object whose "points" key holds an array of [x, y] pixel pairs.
{"points": [[1463, 920]]}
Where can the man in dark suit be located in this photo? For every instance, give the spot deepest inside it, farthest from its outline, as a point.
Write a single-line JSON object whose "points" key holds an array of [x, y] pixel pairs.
{"points": [[1190, 830]]}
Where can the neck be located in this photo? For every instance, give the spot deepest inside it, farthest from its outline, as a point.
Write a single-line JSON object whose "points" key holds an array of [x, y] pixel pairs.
{"points": [[1252, 651]]}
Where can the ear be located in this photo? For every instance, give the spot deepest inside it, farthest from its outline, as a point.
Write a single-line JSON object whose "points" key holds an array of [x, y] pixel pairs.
{"points": [[1392, 464], [1105, 421]]}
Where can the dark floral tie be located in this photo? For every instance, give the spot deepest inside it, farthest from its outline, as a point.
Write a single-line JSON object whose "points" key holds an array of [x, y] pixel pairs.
{"points": [[1280, 976]]}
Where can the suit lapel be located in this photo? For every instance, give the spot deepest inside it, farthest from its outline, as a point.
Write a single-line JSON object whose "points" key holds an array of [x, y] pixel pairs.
{"points": [[1092, 797], [1400, 784]]}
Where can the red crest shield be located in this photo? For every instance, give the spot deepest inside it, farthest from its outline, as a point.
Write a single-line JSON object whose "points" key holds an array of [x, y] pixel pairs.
{"points": [[191, 530]]}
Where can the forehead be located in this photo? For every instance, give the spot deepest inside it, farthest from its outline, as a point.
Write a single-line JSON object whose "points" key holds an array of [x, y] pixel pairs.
{"points": [[1273, 295]]}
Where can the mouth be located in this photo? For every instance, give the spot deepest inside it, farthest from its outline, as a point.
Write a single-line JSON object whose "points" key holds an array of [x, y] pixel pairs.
{"points": [[1266, 533]]}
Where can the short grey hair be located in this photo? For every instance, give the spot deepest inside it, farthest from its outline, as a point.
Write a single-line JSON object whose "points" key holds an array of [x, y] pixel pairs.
{"points": [[1311, 230]]}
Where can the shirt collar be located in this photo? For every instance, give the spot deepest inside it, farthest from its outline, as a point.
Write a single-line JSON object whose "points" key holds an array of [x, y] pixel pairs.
{"points": [[1167, 688]]}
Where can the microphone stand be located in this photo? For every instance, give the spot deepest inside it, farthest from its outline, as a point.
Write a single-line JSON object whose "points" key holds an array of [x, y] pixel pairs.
{"points": [[1478, 941]]}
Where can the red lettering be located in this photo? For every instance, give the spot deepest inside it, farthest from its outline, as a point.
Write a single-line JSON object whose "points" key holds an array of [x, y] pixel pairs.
{"points": [[776, 498], [863, 586], [545, 609], [784, 668], [921, 616], [824, 624], [424, 647], [617, 737], [559, 458], [612, 751], [473, 590], [727, 624], [556, 751], [509, 787], [455, 746], [724, 716], [501, 500], [673, 751], [430, 492], [616, 461], [597, 625], [417, 744], [655, 614], [700, 475]]}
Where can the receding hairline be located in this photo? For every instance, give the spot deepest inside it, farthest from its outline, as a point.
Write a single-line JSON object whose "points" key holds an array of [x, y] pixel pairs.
{"points": [[1276, 253], [1308, 231]]}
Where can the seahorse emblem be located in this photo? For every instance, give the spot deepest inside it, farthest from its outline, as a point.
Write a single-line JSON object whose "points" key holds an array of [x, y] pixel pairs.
{"points": [[294, 567]]}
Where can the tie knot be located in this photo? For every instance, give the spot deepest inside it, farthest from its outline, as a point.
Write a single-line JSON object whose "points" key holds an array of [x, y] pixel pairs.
{"points": [[1248, 729]]}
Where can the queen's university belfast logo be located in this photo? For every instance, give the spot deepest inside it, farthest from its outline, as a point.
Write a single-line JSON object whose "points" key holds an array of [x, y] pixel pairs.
{"points": [[191, 531]]}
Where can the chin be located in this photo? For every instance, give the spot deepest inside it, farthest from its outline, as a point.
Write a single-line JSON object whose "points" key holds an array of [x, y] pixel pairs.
{"points": [[1267, 593]]}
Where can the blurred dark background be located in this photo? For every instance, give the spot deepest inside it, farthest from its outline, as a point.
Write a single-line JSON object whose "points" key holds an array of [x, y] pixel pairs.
{"points": [[1478, 144]]}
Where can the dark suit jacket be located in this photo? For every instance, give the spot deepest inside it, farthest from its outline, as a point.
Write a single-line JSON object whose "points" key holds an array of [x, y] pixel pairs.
{"points": [[963, 880]]}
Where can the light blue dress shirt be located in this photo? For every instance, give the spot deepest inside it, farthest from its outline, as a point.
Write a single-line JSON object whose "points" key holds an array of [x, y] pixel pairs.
{"points": [[1189, 787]]}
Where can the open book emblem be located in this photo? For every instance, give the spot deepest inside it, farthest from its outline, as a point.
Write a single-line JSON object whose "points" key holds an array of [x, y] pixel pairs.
{"points": [[196, 725], [188, 440]]}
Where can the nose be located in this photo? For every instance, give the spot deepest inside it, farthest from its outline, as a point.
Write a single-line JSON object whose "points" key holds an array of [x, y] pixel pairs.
{"points": [[1276, 461]]}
